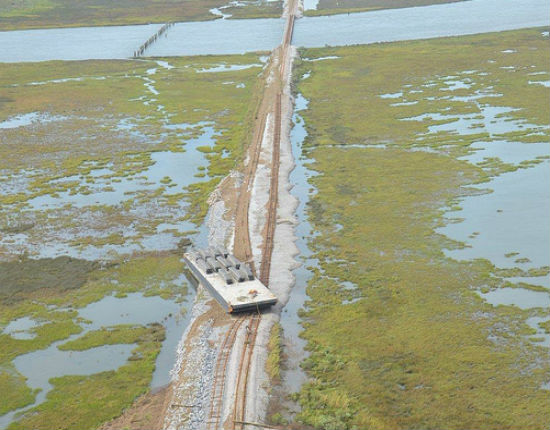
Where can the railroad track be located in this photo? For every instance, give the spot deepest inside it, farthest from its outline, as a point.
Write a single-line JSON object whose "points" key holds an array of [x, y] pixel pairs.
{"points": [[218, 386], [243, 247], [287, 40], [267, 250], [239, 406], [243, 250]]}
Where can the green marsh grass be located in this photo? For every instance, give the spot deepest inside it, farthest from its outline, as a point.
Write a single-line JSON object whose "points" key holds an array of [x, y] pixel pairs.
{"points": [[413, 345]]}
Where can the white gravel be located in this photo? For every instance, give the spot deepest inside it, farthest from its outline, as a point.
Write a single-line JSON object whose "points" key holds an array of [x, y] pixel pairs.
{"points": [[190, 402], [193, 372], [260, 194], [283, 260]]}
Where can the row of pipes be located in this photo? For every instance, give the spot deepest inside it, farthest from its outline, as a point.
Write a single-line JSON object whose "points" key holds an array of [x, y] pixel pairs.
{"points": [[152, 39]]}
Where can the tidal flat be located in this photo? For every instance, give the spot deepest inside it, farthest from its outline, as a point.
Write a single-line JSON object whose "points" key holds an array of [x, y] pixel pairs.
{"points": [[105, 171], [399, 330]]}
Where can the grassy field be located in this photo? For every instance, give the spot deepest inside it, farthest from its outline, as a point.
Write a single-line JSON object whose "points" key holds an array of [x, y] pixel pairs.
{"points": [[398, 336], [255, 9], [30, 14], [27, 14]]}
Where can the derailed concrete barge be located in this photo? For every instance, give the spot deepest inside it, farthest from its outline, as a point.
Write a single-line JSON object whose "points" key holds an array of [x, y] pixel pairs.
{"points": [[230, 281]]}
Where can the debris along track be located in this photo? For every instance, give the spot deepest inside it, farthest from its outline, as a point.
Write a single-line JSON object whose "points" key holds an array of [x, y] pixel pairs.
{"points": [[243, 250], [218, 386]]}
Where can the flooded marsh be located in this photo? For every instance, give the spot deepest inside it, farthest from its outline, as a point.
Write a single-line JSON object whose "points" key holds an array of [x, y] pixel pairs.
{"points": [[105, 170], [421, 181], [119, 164], [407, 161], [104, 318]]}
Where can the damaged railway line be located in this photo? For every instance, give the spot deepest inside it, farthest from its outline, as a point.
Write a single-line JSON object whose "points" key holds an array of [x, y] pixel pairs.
{"points": [[228, 398], [238, 416]]}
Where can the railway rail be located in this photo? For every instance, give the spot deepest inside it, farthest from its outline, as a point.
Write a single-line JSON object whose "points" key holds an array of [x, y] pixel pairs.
{"points": [[239, 408], [243, 247], [267, 250], [243, 250], [216, 405]]}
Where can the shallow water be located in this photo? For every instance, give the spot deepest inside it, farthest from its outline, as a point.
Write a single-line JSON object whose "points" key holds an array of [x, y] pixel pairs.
{"points": [[543, 83], [60, 363], [245, 35], [40, 366], [540, 281], [544, 337], [228, 68], [21, 328], [508, 152], [293, 376], [179, 167], [512, 218], [138, 309], [28, 119], [520, 297]]}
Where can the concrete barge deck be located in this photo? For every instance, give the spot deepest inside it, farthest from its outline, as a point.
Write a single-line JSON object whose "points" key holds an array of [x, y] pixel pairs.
{"points": [[228, 280]]}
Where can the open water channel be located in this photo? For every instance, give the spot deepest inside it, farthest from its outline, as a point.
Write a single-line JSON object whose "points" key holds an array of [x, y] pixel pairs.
{"points": [[238, 36]]}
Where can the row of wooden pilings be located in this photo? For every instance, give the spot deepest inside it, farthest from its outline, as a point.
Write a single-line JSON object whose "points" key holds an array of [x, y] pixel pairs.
{"points": [[152, 39]]}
